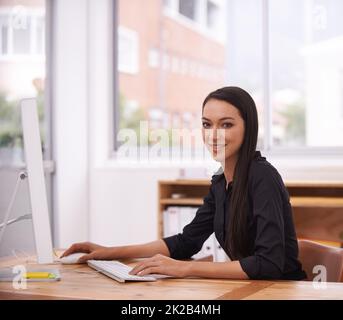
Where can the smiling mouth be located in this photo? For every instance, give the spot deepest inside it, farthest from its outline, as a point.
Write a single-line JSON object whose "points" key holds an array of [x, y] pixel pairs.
{"points": [[217, 145]]}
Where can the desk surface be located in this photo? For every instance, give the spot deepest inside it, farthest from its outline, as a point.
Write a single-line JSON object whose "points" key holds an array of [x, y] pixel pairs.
{"points": [[82, 282]]}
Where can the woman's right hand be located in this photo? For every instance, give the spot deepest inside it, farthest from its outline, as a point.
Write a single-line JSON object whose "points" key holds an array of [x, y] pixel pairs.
{"points": [[92, 250]]}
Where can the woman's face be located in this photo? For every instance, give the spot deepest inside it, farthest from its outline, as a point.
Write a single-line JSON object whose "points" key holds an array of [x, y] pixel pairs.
{"points": [[222, 129]]}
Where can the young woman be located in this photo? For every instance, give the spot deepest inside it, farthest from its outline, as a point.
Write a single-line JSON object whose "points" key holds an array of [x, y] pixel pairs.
{"points": [[247, 207]]}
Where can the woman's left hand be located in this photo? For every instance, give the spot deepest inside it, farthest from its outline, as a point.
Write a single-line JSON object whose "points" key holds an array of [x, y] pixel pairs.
{"points": [[161, 264]]}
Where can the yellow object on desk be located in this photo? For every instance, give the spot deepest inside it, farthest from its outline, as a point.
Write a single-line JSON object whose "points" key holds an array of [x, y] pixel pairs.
{"points": [[39, 275]]}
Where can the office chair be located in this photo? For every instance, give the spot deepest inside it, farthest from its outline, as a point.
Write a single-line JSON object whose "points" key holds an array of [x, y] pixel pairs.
{"points": [[312, 254]]}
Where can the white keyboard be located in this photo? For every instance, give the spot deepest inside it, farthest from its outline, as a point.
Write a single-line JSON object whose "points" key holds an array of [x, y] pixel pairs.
{"points": [[117, 271]]}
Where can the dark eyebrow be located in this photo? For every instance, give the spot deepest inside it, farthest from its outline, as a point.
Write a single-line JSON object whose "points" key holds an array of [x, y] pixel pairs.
{"points": [[221, 119]]}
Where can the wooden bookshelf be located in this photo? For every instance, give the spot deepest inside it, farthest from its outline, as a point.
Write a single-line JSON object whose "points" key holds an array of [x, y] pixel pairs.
{"points": [[317, 205]]}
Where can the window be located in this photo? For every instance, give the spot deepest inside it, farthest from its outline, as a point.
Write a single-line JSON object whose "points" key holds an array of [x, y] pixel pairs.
{"points": [[128, 59], [22, 72], [4, 35], [203, 16], [292, 70], [22, 75], [22, 38], [39, 44], [299, 102], [212, 14], [22, 32], [178, 66], [188, 8], [305, 62]]}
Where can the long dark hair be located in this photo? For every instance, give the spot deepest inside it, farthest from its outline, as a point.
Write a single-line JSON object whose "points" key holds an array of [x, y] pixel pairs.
{"points": [[236, 240]]}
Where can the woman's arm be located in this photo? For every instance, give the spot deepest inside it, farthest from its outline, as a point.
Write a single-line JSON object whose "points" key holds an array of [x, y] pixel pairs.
{"points": [[94, 251], [141, 250], [165, 265], [229, 270]]}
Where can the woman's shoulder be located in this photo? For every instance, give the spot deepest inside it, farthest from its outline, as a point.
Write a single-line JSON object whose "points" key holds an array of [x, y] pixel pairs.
{"points": [[217, 176], [265, 181], [262, 170]]}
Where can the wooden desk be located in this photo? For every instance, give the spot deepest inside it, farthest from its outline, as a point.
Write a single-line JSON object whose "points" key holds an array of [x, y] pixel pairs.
{"points": [[82, 282]]}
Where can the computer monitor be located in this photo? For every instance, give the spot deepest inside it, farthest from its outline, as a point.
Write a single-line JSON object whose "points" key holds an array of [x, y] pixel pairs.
{"points": [[36, 180]]}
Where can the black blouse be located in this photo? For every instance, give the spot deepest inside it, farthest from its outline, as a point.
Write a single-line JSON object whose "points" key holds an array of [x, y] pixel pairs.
{"points": [[271, 231]]}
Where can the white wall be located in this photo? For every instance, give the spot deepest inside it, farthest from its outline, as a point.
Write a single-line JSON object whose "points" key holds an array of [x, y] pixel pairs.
{"points": [[124, 204], [70, 121]]}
